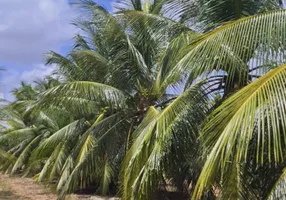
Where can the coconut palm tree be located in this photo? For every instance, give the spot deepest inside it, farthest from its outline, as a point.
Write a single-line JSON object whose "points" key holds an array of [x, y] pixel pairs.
{"points": [[117, 82], [244, 135], [22, 133]]}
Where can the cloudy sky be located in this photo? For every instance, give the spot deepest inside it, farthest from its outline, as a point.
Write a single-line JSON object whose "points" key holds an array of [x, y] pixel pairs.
{"points": [[28, 29]]}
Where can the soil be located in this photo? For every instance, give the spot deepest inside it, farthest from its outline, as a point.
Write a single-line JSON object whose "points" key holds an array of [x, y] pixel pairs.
{"points": [[17, 188]]}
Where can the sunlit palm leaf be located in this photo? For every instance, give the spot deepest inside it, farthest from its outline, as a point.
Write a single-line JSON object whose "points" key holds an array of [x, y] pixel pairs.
{"points": [[255, 113], [106, 177], [87, 163], [251, 41], [71, 131], [90, 92], [7, 156], [279, 189], [24, 156], [13, 138], [144, 164], [54, 164], [166, 74]]}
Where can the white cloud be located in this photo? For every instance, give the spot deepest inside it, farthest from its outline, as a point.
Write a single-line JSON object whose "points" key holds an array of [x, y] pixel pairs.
{"points": [[28, 28], [37, 72], [11, 78]]}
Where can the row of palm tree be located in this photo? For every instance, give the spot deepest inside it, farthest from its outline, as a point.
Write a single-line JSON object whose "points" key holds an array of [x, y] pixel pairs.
{"points": [[159, 96]]}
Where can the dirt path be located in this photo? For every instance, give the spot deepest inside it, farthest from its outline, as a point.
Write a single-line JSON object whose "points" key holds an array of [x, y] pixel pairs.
{"points": [[15, 188]]}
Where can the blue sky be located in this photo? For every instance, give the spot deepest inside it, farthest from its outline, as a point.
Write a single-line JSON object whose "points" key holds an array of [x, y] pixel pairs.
{"points": [[28, 29]]}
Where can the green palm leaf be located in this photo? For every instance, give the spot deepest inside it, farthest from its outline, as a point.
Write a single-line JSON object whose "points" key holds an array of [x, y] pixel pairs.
{"points": [[238, 46], [144, 163], [24, 156], [91, 93], [67, 133], [7, 156], [59, 146], [279, 188], [88, 162], [55, 163], [106, 177], [7, 161], [166, 74], [255, 113], [15, 137]]}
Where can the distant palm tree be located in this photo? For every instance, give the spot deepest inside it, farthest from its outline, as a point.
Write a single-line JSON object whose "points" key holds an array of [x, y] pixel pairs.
{"points": [[21, 133], [24, 92]]}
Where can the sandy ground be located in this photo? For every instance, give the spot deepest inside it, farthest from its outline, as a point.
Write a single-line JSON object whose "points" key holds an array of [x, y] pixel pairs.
{"points": [[16, 188]]}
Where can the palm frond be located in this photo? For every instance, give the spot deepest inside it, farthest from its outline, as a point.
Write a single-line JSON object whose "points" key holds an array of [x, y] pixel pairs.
{"points": [[7, 156], [46, 120], [81, 43], [106, 177], [279, 188], [144, 164], [255, 113], [66, 66], [92, 66], [237, 46], [13, 138], [55, 163], [166, 74], [69, 95], [71, 131], [6, 164], [60, 160], [85, 163], [24, 156], [89, 164]]}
